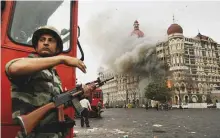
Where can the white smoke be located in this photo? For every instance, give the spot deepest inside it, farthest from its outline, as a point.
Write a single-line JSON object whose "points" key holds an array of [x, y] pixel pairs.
{"points": [[109, 34]]}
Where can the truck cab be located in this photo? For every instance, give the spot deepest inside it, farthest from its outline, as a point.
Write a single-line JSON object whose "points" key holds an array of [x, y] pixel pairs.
{"points": [[96, 101], [19, 20]]}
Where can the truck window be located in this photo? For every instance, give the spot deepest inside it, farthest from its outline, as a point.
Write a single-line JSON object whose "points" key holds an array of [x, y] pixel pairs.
{"points": [[96, 95], [29, 15]]}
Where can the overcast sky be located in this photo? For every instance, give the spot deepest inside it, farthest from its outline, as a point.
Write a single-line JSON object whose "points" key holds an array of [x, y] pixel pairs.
{"points": [[192, 16]]}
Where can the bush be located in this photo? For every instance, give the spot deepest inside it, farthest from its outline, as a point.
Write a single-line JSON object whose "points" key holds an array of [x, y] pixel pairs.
{"points": [[199, 98], [208, 99], [158, 91]]}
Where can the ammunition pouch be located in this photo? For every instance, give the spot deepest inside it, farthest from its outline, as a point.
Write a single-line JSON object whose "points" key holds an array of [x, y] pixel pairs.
{"points": [[56, 127]]}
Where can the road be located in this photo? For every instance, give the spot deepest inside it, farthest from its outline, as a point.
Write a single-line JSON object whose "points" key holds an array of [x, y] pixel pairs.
{"points": [[139, 123]]}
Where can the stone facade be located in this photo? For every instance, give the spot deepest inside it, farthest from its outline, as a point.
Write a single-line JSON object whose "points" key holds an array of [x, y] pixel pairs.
{"points": [[121, 90], [194, 65]]}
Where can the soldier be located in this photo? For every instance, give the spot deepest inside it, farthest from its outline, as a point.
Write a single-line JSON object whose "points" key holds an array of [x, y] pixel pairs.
{"points": [[34, 80]]}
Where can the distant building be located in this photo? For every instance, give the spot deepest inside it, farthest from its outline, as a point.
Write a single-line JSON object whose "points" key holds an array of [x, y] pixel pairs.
{"points": [[194, 64], [136, 30], [121, 90], [110, 89]]}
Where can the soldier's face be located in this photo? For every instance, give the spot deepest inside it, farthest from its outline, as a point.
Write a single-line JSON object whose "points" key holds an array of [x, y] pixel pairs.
{"points": [[47, 46]]}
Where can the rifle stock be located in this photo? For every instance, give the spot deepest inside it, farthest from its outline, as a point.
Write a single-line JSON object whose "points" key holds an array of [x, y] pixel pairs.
{"points": [[61, 113], [29, 121]]}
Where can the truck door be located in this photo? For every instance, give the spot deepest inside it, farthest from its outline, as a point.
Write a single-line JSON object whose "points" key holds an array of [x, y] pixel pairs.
{"points": [[19, 20]]}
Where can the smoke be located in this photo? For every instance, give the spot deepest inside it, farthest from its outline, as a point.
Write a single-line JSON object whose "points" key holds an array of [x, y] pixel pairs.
{"points": [[141, 60], [109, 34]]}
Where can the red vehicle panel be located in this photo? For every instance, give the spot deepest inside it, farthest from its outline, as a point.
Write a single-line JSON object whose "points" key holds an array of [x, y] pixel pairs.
{"points": [[96, 97], [11, 50]]}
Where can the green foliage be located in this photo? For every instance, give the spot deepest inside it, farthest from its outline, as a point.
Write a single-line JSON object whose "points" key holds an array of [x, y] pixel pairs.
{"points": [[209, 99], [158, 90], [199, 98], [190, 99]]}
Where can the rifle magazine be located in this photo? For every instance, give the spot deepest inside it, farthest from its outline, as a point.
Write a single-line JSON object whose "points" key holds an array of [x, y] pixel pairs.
{"points": [[77, 106]]}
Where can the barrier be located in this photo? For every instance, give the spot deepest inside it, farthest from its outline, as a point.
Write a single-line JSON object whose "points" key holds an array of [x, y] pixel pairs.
{"points": [[218, 105], [197, 105]]}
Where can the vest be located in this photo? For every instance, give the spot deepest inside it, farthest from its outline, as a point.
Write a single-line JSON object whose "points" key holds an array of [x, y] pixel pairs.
{"points": [[36, 89]]}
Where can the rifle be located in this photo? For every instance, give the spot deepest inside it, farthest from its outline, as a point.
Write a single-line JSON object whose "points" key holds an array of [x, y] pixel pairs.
{"points": [[28, 122]]}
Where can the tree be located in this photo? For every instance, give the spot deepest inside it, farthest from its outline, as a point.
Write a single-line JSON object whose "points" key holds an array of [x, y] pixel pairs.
{"points": [[199, 98], [158, 90], [209, 99]]}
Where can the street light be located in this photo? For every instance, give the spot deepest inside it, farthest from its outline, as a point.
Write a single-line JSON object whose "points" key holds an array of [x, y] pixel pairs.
{"points": [[108, 99], [126, 88]]}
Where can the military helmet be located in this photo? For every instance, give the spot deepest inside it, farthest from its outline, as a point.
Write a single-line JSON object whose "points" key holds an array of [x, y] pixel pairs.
{"points": [[47, 30]]}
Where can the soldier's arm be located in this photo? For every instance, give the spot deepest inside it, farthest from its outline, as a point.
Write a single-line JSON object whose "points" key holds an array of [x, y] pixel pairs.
{"points": [[27, 66]]}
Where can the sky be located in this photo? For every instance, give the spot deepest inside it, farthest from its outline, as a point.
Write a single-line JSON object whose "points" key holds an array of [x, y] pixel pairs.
{"points": [[100, 20]]}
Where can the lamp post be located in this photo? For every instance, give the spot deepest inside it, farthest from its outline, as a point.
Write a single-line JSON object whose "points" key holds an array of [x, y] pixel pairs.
{"points": [[179, 99], [108, 99], [126, 88]]}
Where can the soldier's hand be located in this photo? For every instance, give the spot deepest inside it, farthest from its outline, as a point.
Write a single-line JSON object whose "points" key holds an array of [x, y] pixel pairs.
{"points": [[73, 62], [88, 89]]}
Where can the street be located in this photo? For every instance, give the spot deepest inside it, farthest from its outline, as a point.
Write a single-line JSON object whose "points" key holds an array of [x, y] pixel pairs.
{"points": [[139, 123]]}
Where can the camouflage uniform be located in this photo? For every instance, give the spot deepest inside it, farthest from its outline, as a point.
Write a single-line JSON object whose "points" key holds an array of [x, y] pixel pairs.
{"points": [[32, 91]]}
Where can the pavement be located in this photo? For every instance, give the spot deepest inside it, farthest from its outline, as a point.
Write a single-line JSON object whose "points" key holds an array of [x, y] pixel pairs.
{"points": [[141, 123]]}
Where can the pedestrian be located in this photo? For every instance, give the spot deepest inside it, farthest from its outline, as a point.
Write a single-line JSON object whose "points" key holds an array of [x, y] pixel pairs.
{"points": [[157, 106], [35, 81], [146, 105], [85, 112]]}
